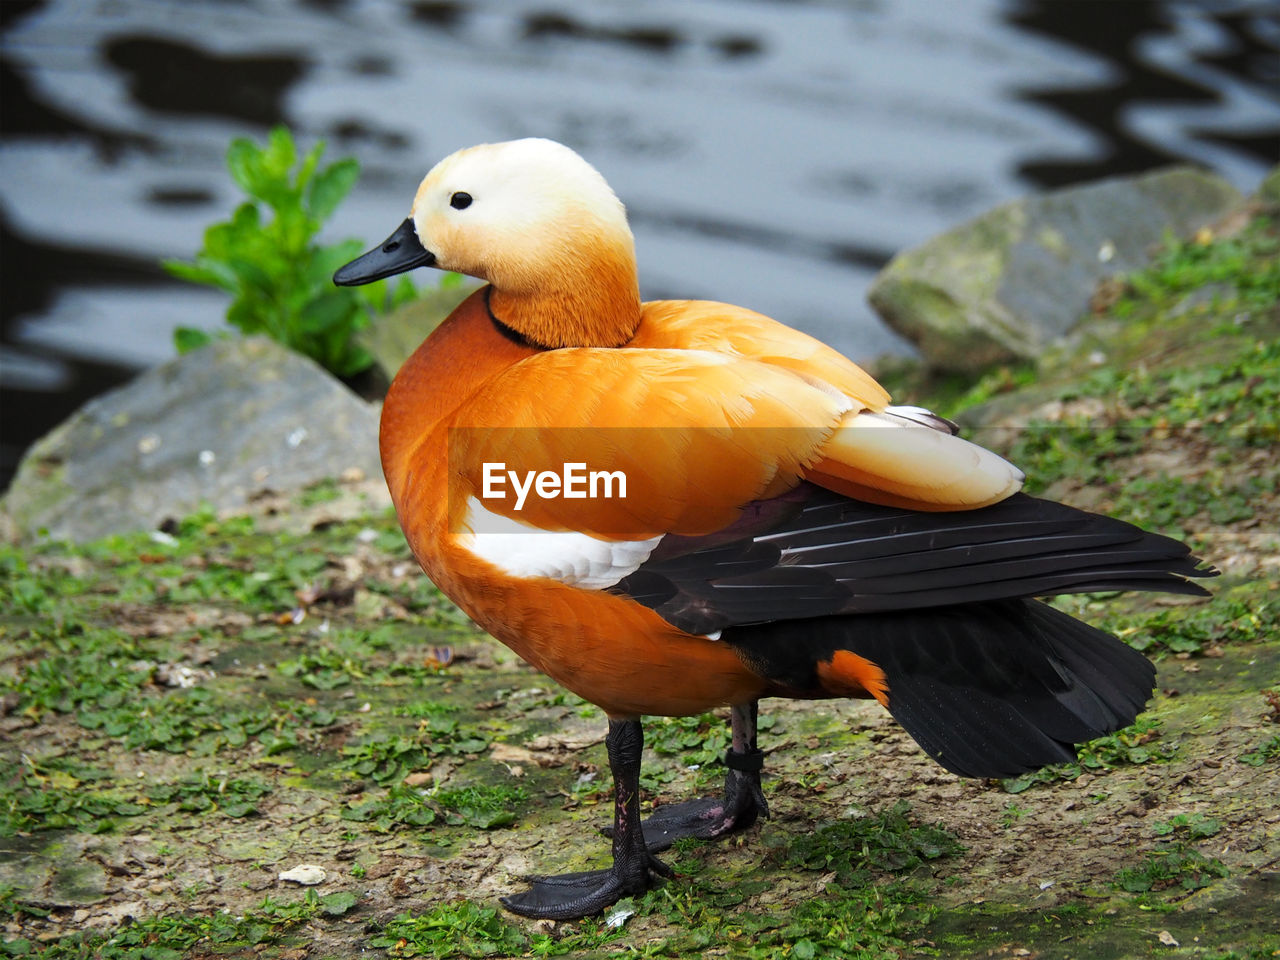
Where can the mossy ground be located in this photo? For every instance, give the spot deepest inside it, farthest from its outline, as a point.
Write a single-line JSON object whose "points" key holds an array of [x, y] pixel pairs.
{"points": [[186, 716]]}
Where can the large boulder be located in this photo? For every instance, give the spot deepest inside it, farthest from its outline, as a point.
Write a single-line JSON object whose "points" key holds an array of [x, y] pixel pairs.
{"points": [[1006, 285], [214, 427]]}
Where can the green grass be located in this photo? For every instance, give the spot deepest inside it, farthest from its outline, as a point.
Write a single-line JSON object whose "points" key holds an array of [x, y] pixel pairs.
{"points": [[402, 806], [278, 722], [1134, 745], [59, 792], [1266, 752], [109, 687], [1232, 405], [870, 908], [227, 561], [175, 937], [866, 913], [1175, 866], [37, 802], [1246, 266], [1196, 826], [855, 850], [1171, 867], [389, 758], [697, 742], [1237, 613], [231, 796], [485, 807], [464, 929]]}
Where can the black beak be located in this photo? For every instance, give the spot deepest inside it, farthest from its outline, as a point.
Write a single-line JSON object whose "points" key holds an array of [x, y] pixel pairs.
{"points": [[399, 252]]}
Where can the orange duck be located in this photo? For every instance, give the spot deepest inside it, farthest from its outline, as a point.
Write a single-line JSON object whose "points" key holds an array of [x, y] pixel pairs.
{"points": [[673, 506]]}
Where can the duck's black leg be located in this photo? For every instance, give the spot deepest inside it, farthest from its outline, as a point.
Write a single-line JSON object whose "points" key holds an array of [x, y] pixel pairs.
{"points": [[634, 870], [711, 817]]}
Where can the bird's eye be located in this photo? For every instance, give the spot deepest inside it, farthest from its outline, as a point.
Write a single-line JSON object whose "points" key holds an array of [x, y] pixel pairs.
{"points": [[460, 200]]}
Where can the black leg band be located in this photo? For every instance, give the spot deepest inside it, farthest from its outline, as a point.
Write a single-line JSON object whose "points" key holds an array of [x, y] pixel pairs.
{"points": [[749, 761]]}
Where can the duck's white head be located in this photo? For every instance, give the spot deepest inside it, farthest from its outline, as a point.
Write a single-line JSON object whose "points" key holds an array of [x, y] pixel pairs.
{"points": [[537, 222]]}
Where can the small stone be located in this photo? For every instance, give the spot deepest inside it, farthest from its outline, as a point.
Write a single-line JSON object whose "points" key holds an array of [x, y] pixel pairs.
{"points": [[306, 874]]}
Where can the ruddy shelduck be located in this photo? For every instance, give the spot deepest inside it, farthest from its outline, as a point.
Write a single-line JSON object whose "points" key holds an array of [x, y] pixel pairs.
{"points": [[674, 506]]}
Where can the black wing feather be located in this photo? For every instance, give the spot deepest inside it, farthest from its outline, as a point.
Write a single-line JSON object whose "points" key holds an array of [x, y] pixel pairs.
{"points": [[812, 553]]}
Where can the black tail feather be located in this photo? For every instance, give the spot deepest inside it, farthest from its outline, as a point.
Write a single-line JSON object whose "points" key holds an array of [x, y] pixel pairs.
{"points": [[987, 689]]}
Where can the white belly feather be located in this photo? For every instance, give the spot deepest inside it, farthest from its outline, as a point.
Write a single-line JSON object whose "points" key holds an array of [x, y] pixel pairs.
{"points": [[572, 558]]}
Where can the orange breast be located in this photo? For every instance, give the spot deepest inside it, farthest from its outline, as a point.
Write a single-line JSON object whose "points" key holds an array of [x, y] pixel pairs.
{"points": [[607, 649]]}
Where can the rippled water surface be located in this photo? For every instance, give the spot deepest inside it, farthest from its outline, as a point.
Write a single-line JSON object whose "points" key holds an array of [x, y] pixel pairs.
{"points": [[772, 154]]}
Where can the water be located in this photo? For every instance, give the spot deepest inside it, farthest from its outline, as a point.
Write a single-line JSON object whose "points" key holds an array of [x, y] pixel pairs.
{"points": [[773, 154]]}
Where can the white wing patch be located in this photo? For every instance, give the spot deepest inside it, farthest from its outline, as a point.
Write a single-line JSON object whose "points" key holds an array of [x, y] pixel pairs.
{"points": [[923, 458], [528, 552]]}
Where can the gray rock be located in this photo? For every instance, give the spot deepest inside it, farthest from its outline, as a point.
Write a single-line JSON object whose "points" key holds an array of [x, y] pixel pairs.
{"points": [[215, 426], [1006, 285]]}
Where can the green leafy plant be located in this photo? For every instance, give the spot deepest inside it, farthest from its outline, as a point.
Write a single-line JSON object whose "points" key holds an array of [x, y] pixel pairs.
{"points": [[402, 806], [464, 929], [37, 802], [886, 842], [1128, 747], [272, 924], [484, 807], [1267, 752], [696, 740], [279, 276], [1195, 825], [1174, 865], [233, 796], [1171, 866], [386, 760]]}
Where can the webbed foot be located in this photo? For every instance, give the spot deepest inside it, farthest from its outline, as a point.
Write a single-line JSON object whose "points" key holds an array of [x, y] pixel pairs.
{"points": [[711, 817], [569, 896]]}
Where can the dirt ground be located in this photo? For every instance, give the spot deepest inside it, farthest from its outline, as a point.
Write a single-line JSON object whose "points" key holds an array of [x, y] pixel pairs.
{"points": [[186, 717], [1037, 875]]}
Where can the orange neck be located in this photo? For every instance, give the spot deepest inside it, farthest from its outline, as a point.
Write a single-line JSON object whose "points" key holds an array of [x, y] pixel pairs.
{"points": [[461, 354], [593, 302]]}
